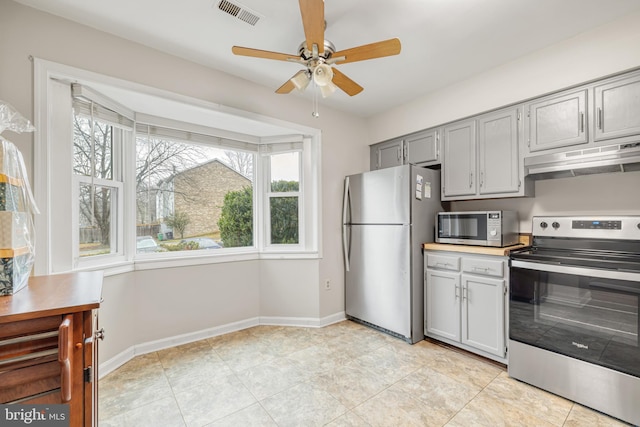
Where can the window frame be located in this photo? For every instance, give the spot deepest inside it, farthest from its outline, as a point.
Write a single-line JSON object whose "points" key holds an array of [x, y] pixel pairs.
{"points": [[45, 171], [269, 194]]}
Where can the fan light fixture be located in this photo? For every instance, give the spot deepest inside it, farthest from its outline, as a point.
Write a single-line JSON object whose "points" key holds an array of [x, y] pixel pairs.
{"points": [[322, 76], [301, 80]]}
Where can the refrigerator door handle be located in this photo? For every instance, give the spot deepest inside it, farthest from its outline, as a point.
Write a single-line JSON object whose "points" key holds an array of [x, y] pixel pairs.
{"points": [[345, 208]]}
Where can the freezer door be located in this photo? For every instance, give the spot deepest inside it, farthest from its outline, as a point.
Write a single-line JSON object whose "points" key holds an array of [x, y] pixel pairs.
{"points": [[378, 197], [378, 280]]}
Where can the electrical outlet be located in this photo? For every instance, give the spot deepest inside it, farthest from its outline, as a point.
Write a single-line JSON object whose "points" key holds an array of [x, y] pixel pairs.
{"points": [[327, 285]]}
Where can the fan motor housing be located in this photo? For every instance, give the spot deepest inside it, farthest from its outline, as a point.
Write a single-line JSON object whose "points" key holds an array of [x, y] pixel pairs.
{"points": [[306, 54]]}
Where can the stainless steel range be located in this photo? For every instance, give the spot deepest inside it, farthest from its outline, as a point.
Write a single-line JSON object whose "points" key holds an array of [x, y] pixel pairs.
{"points": [[573, 312]]}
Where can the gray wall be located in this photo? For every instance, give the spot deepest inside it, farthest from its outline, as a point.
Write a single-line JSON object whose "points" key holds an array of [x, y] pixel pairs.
{"points": [[143, 306], [602, 51]]}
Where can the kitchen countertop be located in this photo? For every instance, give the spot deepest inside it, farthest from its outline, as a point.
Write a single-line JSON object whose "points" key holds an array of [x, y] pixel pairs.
{"points": [[525, 240]]}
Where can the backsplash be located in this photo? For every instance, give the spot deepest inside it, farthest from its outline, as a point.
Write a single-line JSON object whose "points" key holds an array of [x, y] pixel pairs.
{"points": [[603, 194]]}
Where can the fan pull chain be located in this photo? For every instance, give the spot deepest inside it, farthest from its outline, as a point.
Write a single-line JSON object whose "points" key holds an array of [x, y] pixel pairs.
{"points": [[315, 112]]}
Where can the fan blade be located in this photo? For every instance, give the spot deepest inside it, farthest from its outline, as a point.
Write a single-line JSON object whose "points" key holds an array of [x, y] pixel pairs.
{"points": [[312, 12], [288, 86], [369, 51], [345, 83], [267, 54]]}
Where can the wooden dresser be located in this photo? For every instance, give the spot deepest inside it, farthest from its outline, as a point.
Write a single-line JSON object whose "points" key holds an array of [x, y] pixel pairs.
{"points": [[48, 344]]}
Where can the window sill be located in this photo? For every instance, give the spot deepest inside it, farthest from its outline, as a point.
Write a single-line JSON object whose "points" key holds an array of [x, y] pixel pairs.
{"points": [[158, 262]]}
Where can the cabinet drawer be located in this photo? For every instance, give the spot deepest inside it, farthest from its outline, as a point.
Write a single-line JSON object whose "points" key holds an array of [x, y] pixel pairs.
{"points": [[487, 267], [444, 262]]}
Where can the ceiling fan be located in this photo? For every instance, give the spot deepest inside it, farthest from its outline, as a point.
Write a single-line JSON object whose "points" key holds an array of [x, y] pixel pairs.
{"points": [[318, 55]]}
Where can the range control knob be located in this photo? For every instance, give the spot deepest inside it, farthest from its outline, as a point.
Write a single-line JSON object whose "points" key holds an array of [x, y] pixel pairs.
{"points": [[493, 232], [555, 225], [638, 225], [544, 225]]}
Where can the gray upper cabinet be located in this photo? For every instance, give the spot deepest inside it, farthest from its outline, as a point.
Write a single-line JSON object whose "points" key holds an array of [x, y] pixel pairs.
{"points": [[423, 147], [499, 137], [617, 108], [559, 120], [482, 157], [459, 175], [387, 154]]}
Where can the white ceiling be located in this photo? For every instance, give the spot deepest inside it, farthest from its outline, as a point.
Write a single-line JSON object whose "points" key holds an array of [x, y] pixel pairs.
{"points": [[443, 41]]}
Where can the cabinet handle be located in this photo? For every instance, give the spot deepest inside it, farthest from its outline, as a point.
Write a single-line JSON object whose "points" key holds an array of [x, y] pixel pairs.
{"points": [[464, 293], [481, 179], [599, 118], [398, 155], [65, 333], [581, 122], [470, 179], [457, 294]]}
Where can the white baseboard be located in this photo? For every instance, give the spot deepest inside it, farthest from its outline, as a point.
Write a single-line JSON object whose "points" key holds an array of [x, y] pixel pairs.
{"points": [[123, 357]]}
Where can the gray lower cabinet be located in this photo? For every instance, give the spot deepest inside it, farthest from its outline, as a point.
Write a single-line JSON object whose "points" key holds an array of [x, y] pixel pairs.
{"points": [[617, 107], [558, 120], [465, 301]]}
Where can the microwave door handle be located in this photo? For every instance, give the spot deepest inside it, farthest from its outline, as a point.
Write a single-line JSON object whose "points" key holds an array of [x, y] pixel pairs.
{"points": [[345, 228], [577, 271]]}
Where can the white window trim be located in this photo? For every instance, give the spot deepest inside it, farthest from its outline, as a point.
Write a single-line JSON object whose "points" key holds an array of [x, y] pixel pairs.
{"points": [[44, 71]]}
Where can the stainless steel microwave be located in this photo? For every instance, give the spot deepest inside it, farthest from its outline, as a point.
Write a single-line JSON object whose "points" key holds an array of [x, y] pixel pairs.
{"points": [[483, 228]]}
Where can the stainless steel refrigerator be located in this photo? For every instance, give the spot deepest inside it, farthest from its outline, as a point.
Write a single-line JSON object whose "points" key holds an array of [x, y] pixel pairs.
{"points": [[387, 215]]}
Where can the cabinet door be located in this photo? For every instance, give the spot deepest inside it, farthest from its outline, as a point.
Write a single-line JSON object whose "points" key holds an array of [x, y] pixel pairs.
{"points": [[459, 167], [558, 121], [617, 106], [442, 304], [423, 147], [387, 154], [498, 142], [483, 314]]}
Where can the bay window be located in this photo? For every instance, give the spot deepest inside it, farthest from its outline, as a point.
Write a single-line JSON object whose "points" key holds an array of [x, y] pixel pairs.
{"points": [[153, 181]]}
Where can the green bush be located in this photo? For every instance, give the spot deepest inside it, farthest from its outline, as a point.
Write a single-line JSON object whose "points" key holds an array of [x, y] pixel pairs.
{"points": [[236, 218]]}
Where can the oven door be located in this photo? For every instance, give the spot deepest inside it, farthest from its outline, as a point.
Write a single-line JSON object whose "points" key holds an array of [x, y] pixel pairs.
{"points": [[583, 313]]}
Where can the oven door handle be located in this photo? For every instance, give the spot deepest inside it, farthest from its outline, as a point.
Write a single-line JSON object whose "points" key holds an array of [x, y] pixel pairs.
{"points": [[578, 271]]}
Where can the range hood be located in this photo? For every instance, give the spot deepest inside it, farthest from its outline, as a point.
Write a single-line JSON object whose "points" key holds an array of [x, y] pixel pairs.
{"points": [[611, 158]]}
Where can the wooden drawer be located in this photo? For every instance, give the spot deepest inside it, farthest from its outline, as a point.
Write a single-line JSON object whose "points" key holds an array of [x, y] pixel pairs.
{"points": [[29, 381], [29, 359], [483, 266], [443, 262]]}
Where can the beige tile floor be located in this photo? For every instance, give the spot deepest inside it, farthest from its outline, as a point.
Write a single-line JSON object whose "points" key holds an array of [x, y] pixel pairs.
{"points": [[341, 375]]}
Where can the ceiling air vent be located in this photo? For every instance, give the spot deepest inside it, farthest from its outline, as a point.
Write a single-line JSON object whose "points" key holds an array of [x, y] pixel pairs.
{"points": [[239, 11]]}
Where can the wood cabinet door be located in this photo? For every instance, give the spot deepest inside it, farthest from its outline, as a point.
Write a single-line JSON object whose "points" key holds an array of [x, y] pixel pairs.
{"points": [[459, 160], [90, 368], [442, 304], [483, 325], [617, 108], [422, 147], [558, 121], [498, 154]]}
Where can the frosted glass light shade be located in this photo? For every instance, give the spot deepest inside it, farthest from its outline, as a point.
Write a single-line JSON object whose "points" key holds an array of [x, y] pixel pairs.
{"points": [[328, 89], [301, 80], [322, 75]]}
